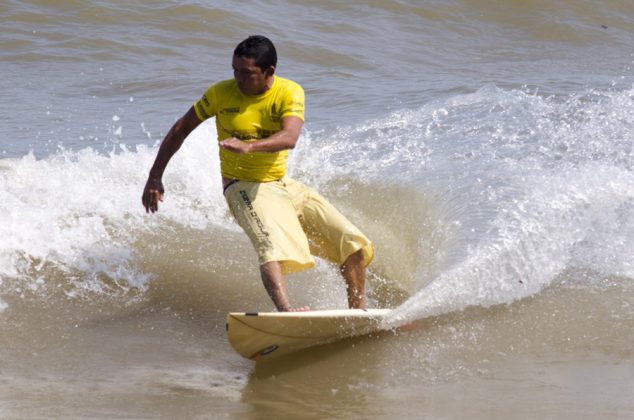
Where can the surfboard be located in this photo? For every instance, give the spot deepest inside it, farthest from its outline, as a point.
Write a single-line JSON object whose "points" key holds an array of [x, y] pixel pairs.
{"points": [[260, 335]]}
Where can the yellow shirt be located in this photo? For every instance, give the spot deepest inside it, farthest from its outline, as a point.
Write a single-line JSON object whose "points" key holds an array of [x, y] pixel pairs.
{"points": [[251, 118]]}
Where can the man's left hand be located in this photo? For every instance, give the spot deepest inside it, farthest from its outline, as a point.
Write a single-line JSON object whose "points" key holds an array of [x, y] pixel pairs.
{"points": [[235, 145]]}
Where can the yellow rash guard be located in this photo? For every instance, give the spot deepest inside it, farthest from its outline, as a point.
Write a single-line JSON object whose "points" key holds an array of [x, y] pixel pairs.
{"points": [[251, 118]]}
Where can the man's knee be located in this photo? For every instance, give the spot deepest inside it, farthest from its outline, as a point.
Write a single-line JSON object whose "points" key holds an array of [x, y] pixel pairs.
{"points": [[354, 260]]}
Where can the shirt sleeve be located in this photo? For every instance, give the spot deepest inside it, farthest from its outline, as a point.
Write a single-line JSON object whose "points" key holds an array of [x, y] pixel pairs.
{"points": [[206, 107], [293, 102]]}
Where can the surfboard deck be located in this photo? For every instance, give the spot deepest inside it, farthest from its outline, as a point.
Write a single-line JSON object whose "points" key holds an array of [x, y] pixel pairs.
{"points": [[260, 335]]}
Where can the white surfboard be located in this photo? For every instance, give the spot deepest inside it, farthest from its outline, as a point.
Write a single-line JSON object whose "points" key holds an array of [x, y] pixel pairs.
{"points": [[257, 335]]}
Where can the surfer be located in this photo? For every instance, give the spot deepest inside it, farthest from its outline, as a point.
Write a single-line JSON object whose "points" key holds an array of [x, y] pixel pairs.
{"points": [[259, 117]]}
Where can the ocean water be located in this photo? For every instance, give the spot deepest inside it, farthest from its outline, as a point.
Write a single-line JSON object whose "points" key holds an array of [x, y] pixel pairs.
{"points": [[485, 147]]}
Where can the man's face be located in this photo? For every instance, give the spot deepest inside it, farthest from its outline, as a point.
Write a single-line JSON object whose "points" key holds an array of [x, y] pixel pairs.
{"points": [[251, 79]]}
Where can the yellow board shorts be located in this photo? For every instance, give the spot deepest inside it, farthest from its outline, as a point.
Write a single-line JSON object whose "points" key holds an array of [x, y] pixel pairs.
{"points": [[289, 222]]}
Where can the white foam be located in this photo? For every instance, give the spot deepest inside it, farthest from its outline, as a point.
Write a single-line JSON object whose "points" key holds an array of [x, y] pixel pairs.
{"points": [[550, 189], [82, 210], [534, 239], [529, 185]]}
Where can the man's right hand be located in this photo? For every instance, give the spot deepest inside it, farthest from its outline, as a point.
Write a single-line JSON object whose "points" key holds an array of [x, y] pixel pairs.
{"points": [[152, 194]]}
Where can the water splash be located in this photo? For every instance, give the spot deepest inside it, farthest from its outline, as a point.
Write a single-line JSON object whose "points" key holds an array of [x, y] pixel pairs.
{"points": [[79, 214], [516, 187], [562, 222]]}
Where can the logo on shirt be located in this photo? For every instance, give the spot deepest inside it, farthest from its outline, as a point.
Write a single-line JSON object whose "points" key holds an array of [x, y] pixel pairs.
{"points": [[257, 134]]}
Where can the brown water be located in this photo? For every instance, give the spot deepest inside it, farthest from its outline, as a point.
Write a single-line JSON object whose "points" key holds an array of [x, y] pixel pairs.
{"points": [[486, 148]]}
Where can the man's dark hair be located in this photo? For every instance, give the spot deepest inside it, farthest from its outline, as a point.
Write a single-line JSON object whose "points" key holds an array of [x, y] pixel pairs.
{"points": [[260, 48]]}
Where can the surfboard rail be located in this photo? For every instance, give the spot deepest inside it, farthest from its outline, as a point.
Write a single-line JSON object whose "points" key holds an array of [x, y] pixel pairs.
{"points": [[258, 335]]}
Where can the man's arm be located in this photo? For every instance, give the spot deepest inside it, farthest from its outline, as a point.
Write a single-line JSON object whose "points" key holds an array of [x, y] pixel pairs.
{"points": [[153, 191], [284, 139]]}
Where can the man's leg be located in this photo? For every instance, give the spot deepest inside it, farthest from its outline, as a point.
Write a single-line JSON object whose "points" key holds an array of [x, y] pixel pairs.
{"points": [[333, 237], [274, 284], [353, 271]]}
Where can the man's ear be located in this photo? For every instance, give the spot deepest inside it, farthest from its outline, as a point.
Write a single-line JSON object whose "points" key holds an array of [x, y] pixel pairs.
{"points": [[270, 71]]}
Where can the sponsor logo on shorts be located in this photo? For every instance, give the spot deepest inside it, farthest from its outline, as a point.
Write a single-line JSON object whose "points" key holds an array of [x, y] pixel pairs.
{"points": [[262, 232]]}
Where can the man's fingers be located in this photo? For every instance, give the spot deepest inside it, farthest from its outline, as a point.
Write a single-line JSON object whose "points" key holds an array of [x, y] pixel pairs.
{"points": [[151, 199], [233, 145], [146, 202], [156, 197]]}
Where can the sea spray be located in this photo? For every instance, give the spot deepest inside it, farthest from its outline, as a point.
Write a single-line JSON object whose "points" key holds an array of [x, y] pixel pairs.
{"points": [[534, 240], [80, 213]]}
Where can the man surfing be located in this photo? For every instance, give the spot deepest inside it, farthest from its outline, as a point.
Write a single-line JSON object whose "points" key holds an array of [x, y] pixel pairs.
{"points": [[259, 117]]}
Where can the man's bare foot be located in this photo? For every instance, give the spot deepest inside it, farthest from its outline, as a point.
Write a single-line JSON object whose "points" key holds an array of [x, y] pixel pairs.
{"points": [[302, 309]]}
